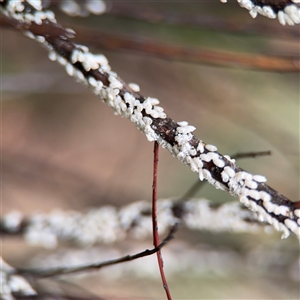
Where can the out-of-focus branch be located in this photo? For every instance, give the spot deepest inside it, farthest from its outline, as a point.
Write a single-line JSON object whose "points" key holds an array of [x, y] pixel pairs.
{"points": [[207, 56], [177, 137], [109, 224], [188, 54]]}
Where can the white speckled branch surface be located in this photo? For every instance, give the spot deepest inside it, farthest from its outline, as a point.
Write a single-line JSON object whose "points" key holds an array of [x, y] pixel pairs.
{"points": [[177, 137]]}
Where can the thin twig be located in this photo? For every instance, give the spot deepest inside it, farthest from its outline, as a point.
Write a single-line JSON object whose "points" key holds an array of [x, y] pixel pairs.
{"points": [[252, 154], [154, 222], [96, 266]]}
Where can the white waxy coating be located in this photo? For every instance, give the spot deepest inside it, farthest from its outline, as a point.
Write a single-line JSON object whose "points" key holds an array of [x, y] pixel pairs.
{"points": [[37, 4], [229, 158], [92, 81], [293, 12], [152, 101], [265, 196], [253, 206], [135, 87], [99, 85], [219, 186], [213, 155], [206, 174], [229, 171], [185, 129], [285, 231], [254, 194], [288, 20], [193, 151], [219, 162], [240, 176], [183, 123], [225, 176], [154, 114], [40, 39], [61, 60], [269, 206], [292, 225], [205, 157], [74, 56], [259, 178], [253, 13], [211, 147], [281, 18], [201, 175], [245, 201], [29, 34], [193, 166], [129, 99], [200, 147], [269, 12], [261, 217], [198, 162], [275, 224], [269, 219], [261, 214], [251, 184], [281, 210], [52, 56], [70, 69], [114, 82]]}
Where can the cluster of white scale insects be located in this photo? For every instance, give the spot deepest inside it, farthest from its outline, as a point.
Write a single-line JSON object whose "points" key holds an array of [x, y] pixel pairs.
{"points": [[109, 224], [142, 113], [290, 15]]}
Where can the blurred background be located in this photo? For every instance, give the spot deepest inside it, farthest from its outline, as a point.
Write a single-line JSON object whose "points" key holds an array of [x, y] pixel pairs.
{"points": [[62, 148]]}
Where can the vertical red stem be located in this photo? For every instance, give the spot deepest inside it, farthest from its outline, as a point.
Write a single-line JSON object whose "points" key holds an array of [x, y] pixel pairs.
{"points": [[154, 222]]}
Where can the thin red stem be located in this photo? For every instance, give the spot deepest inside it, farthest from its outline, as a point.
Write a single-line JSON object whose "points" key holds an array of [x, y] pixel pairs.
{"points": [[154, 222]]}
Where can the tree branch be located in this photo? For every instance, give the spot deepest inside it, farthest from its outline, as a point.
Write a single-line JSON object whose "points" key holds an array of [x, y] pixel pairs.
{"points": [[95, 72]]}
